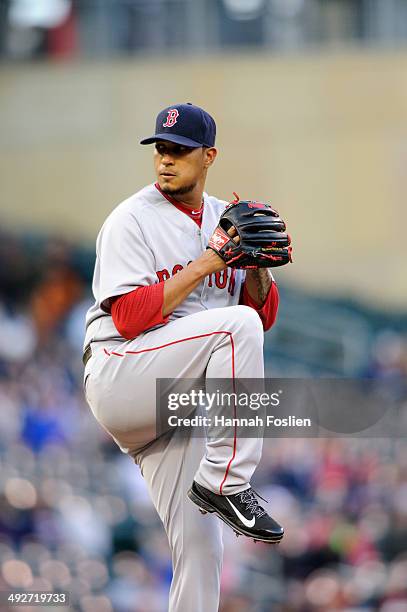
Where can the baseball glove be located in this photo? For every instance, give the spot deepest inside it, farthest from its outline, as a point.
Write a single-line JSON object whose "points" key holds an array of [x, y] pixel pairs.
{"points": [[260, 239]]}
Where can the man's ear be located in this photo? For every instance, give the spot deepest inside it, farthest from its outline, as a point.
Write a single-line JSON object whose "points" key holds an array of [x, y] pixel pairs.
{"points": [[210, 155]]}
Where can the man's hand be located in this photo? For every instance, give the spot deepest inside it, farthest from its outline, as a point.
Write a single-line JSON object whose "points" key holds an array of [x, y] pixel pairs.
{"points": [[211, 261], [177, 288]]}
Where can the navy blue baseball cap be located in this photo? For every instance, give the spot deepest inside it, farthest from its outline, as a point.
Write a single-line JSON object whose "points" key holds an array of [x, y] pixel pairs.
{"points": [[184, 124]]}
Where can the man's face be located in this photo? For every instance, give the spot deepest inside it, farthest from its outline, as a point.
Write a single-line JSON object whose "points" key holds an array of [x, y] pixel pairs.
{"points": [[179, 168]]}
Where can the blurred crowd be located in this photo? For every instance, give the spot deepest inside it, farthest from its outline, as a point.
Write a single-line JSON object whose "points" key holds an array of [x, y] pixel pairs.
{"points": [[72, 28], [74, 511]]}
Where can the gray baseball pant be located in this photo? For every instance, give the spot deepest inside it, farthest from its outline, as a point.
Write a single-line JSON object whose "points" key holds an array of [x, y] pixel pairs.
{"points": [[121, 391]]}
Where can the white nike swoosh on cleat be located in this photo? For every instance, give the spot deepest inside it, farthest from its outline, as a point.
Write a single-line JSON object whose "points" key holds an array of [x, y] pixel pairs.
{"points": [[244, 520]]}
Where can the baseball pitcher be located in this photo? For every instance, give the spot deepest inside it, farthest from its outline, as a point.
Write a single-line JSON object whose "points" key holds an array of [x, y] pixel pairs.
{"points": [[183, 289]]}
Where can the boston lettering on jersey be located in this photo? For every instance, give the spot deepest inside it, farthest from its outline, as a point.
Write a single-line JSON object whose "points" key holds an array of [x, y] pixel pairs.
{"points": [[218, 279]]}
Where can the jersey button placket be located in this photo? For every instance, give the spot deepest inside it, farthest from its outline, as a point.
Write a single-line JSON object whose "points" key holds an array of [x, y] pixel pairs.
{"points": [[204, 292]]}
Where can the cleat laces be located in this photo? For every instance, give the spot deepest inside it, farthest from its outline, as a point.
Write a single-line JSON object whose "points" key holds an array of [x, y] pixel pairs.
{"points": [[248, 498]]}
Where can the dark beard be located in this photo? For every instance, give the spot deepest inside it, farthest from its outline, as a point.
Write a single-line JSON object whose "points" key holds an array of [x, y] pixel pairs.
{"points": [[180, 191]]}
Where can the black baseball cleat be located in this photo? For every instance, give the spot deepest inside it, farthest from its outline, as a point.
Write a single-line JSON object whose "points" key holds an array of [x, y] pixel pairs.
{"points": [[241, 511]]}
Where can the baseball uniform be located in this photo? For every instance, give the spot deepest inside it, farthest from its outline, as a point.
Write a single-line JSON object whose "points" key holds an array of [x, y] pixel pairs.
{"points": [[144, 240]]}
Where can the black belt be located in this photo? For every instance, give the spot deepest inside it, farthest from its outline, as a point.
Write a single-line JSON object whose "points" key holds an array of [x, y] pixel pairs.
{"points": [[87, 354]]}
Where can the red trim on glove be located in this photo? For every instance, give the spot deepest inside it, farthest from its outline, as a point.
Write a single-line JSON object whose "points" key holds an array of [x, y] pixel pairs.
{"points": [[267, 312], [135, 312]]}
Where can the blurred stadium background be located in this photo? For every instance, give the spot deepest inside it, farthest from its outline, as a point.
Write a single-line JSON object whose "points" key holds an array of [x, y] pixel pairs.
{"points": [[310, 97]]}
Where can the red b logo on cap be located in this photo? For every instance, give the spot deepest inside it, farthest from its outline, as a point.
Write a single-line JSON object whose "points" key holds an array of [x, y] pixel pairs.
{"points": [[171, 118]]}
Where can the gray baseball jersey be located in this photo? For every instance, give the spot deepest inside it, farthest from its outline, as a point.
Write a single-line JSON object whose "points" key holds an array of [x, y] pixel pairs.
{"points": [[145, 240]]}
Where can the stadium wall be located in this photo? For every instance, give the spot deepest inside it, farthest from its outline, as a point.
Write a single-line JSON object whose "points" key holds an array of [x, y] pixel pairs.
{"points": [[323, 138]]}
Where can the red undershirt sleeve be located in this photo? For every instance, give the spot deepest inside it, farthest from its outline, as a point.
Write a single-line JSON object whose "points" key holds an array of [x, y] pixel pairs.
{"points": [[139, 310], [267, 312]]}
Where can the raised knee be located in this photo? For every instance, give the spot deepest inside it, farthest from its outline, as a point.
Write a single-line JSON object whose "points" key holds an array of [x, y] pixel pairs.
{"points": [[247, 319]]}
